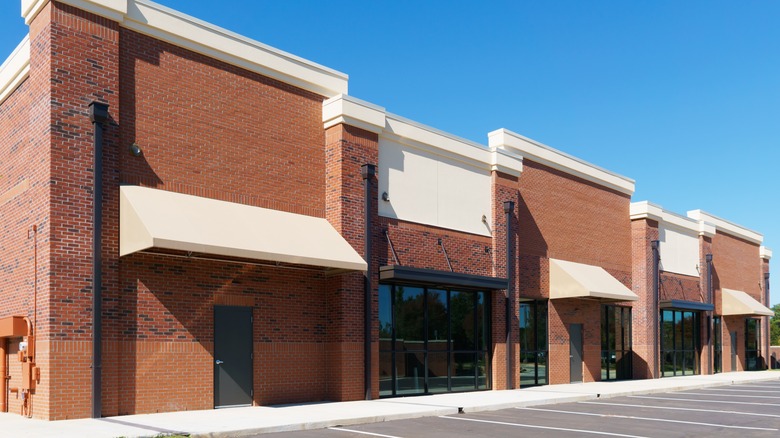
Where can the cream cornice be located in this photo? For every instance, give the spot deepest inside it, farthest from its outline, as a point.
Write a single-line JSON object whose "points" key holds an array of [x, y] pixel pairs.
{"points": [[722, 225], [15, 69], [168, 25], [765, 252], [543, 154], [648, 210], [355, 112]]}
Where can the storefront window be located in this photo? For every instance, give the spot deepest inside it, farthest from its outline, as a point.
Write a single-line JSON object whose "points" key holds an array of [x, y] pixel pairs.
{"points": [[533, 343], [679, 342], [432, 340], [752, 342], [616, 343], [717, 341]]}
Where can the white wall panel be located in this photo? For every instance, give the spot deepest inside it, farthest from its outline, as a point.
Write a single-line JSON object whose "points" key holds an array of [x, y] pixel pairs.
{"points": [[679, 250], [432, 189]]}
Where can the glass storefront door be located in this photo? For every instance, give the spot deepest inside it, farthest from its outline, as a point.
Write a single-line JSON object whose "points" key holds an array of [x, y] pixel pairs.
{"points": [[533, 343], [616, 354], [752, 342], [432, 340], [679, 342], [717, 341]]}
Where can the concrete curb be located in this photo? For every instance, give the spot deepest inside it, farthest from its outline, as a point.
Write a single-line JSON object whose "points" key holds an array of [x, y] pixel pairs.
{"points": [[242, 422]]}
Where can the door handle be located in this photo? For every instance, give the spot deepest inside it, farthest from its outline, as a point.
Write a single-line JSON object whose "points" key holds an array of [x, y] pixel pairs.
{"points": [[219, 362]]}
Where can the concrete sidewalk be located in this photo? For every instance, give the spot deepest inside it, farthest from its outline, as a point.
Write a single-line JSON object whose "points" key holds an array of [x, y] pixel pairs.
{"points": [[254, 420]]}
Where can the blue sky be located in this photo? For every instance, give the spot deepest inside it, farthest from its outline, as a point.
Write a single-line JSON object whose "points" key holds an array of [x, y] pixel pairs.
{"points": [[682, 96]]}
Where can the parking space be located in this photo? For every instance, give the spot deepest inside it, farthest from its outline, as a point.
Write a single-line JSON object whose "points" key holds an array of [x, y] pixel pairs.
{"points": [[728, 411]]}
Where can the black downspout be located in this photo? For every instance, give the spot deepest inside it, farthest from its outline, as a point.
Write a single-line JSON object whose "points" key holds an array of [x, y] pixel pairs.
{"points": [[656, 304], [768, 362], [368, 171], [710, 317], [98, 114], [509, 208]]}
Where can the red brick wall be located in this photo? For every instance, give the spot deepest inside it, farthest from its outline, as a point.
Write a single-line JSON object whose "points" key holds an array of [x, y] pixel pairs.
{"points": [[24, 201], [206, 128], [733, 324], [645, 312], [161, 321], [707, 326], [681, 287], [765, 328], [83, 68], [564, 217], [567, 218], [736, 265], [346, 149], [505, 189], [211, 129]]}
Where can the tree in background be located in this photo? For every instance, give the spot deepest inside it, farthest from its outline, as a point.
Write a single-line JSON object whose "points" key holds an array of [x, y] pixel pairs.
{"points": [[774, 326]]}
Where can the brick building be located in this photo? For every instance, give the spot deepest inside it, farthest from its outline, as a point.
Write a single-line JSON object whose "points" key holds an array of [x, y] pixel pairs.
{"points": [[707, 286], [192, 219]]}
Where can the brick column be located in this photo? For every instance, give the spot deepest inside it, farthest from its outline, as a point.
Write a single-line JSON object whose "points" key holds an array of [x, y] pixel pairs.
{"points": [[646, 335], [347, 148], [707, 336], [76, 57], [504, 188]]}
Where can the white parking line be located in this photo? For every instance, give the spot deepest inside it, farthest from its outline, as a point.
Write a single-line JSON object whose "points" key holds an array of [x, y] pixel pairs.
{"points": [[738, 390], [663, 420], [728, 395], [594, 432], [362, 432], [702, 401], [680, 409]]}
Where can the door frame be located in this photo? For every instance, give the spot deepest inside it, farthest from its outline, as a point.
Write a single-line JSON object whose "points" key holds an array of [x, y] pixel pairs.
{"points": [[573, 364], [215, 365]]}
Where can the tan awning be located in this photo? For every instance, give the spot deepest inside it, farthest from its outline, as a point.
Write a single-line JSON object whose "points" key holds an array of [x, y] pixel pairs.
{"points": [[151, 218], [578, 280], [736, 302]]}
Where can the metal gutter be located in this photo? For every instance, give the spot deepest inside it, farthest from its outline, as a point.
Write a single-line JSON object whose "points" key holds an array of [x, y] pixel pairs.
{"points": [[98, 115], [368, 171]]}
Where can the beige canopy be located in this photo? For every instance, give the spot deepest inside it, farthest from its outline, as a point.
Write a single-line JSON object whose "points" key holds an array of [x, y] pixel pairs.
{"points": [[578, 280], [736, 302], [151, 218]]}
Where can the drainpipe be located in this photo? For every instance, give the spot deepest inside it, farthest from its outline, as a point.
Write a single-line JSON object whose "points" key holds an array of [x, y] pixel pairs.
{"points": [[656, 305], [3, 375], [509, 207], [98, 115], [368, 171], [711, 313], [768, 325]]}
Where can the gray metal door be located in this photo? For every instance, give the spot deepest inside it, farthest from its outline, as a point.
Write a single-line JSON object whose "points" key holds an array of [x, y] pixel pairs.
{"points": [[232, 356], [575, 353], [733, 351]]}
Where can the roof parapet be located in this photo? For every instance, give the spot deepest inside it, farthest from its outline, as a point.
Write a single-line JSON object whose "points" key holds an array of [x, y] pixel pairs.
{"points": [[541, 153], [648, 210], [182, 30], [15, 69], [722, 225], [361, 114]]}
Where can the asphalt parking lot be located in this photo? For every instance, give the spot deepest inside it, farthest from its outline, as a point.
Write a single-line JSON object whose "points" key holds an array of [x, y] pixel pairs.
{"points": [[744, 410]]}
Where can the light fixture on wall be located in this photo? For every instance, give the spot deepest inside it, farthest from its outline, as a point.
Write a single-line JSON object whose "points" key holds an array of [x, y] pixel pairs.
{"points": [[385, 197], [135, 150], [484, 218]]}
